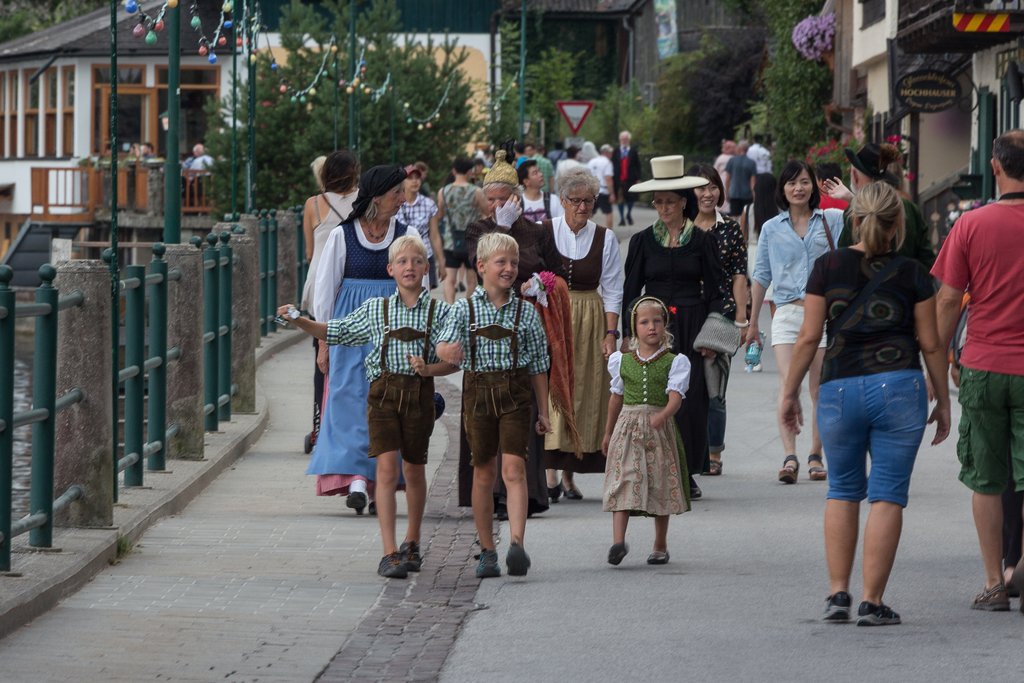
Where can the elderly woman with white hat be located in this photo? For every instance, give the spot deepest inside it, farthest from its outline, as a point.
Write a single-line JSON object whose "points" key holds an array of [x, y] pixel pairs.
{"points": [[679, 264]]}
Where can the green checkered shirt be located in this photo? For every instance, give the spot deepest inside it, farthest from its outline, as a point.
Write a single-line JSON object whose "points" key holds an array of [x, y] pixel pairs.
{"points": [[365, 325], [496, 354]]}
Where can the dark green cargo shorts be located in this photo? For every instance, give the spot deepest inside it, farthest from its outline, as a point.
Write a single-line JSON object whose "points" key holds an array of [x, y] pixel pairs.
{"points": [[991, 426]]}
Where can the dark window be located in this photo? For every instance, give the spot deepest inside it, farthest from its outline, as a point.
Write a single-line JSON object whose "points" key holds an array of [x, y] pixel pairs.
{"points": [[873, 12]]}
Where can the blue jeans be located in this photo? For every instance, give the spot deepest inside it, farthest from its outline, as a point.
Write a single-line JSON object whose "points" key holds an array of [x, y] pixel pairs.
{"points": [[884, 414]]}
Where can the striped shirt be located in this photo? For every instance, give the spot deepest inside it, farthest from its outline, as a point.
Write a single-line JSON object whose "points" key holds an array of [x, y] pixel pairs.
{"points": [[494, 355], [365, 325]]}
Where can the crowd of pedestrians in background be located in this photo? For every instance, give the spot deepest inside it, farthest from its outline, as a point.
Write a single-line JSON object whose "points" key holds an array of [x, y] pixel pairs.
{"points": [[623, 366]]}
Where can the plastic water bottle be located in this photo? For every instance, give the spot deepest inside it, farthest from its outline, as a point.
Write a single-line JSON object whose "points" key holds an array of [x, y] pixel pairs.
{"points": [[752, 358]]}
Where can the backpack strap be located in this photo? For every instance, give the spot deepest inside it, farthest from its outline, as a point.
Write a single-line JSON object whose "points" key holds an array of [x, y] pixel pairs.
{"points": [[426, 333], [515, 335], [386, 338]]}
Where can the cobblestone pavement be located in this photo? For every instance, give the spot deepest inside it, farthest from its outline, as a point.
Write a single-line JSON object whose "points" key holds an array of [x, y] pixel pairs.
{"points": [[409, 632]]}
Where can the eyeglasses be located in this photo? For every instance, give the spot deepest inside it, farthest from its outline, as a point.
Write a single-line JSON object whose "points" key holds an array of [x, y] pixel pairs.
{"points": [[581, 201], [666, 203]]}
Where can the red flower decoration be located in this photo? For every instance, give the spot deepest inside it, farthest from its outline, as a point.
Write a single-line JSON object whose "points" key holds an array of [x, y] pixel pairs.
{"points": [[547, 278], [672, 310]]}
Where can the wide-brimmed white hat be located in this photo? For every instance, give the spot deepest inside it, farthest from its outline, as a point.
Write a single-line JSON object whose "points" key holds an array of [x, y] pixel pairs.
{"points": [[669, 174]]}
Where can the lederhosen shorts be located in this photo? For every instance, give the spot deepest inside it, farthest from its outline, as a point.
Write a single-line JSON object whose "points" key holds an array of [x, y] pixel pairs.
{"points": [[496, 405], [400, 408]]}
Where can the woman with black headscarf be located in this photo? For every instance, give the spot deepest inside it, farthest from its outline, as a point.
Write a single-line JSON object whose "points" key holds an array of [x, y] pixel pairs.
{"points": [[353, 268]]}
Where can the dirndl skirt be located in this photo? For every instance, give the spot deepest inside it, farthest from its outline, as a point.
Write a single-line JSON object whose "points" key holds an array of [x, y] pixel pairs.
{"points": [[643, 473]]}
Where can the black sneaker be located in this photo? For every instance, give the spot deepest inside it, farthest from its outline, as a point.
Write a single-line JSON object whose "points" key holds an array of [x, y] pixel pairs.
{"points": [[392, 567], [870, 614], [837, 607], [410, 552], [488, 567], [517, 561]]}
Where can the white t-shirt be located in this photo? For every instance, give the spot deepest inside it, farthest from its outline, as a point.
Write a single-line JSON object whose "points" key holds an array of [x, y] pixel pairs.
{"points": [[761, 157], [601, 167]]}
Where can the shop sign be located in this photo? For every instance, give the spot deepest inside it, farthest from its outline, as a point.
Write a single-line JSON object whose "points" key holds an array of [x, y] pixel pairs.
{"points": [[927, 91]]}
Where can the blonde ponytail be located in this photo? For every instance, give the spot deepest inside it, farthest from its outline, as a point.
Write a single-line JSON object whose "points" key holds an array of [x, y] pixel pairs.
{"points": [[878, 219]]}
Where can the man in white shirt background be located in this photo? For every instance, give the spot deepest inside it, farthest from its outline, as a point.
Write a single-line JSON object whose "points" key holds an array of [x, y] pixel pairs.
{"points": [[760, 155], [602, 169]]}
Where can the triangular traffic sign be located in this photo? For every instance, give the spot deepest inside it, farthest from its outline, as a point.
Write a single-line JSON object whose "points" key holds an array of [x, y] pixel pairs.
{"points": [[574, 112]]}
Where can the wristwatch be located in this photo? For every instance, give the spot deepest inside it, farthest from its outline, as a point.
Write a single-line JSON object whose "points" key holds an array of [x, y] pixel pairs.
{"points": [[614, 333]]}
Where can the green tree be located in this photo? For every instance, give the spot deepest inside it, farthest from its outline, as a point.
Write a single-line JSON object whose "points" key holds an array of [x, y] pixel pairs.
{"points": [[290, 134], [794, 88]]}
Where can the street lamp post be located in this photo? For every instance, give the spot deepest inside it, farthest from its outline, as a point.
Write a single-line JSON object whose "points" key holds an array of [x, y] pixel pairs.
{"points": [[172, 165], [250, 183], [234, 119], [522, 70], [354, 69], [115, 275]]}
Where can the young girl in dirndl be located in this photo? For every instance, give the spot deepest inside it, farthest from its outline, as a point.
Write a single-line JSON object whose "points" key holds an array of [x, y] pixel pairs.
{"points": [[646, 472]]}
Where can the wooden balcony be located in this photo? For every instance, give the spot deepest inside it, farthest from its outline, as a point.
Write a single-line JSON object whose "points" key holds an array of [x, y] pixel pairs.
{"points": [[927, 26], [78, 194]]}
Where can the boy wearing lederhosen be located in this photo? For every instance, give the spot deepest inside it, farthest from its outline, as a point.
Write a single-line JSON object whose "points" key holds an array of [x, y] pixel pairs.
{"points": [[499, 340], [403, 329]]}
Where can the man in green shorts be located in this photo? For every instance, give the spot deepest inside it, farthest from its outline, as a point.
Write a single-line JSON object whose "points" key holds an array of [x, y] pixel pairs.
{"points": [[982, 255]]}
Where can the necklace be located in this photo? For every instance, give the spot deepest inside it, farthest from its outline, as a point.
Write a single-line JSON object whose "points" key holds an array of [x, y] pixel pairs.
{"points": [[374, 236]]}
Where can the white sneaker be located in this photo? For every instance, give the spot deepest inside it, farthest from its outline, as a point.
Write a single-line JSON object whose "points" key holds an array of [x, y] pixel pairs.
{"points": [[756, 368]]}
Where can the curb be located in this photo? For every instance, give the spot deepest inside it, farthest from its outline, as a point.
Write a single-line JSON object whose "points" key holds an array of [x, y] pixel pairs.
{"points": [[83, 553]]}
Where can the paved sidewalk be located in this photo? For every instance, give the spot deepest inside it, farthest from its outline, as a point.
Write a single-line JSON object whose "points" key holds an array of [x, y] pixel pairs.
{"points": [[257, 580], [742, 597]]}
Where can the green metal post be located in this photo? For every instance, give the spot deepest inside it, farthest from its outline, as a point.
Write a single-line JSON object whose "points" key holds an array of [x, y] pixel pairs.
{"points": [[394, 149], [157, 381], [272, 270], [134, 357], [300, 255], [172, 167], [353, 69], [337, 100], [224, 333], [234, 117], [115, 275], [522, 71], [6, 412], [264, 266], [250, 183], [44, 396], [211, 319]]}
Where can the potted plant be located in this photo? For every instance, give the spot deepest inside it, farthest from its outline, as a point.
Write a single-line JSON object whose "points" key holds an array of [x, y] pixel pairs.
{"points": [[814, 37]]}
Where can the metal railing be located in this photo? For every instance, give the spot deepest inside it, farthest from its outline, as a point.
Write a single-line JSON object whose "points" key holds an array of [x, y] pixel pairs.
{"points": [[268, 270], [43, 415], [218, 325], [145, 438]]}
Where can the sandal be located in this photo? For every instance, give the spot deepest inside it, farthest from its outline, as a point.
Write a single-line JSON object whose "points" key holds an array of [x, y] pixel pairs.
{"points": [[714, 468], [790, 469], [816, 472]]}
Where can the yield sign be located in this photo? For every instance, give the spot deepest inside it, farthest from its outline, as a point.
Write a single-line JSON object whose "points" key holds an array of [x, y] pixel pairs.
{"points": [[574, 112]]}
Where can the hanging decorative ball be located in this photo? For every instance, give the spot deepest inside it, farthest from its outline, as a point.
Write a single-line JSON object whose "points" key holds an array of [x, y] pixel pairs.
{"points": [[408, 120], [252, 58], [312, 91], [349, 90], [302, 99], [212, 59], [419, 127], [228, 24], [159, 25], [367, 90], [196, 21], [334, 48], [429, 124], [151, 38], [273, 65], [202, 50], [283, 88], [341, 83], [238, 42], [139, 30], [294, 99], [227, 6], [172, 3], [131, 7], [405, 105], [222, 41], [355, 81]]}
